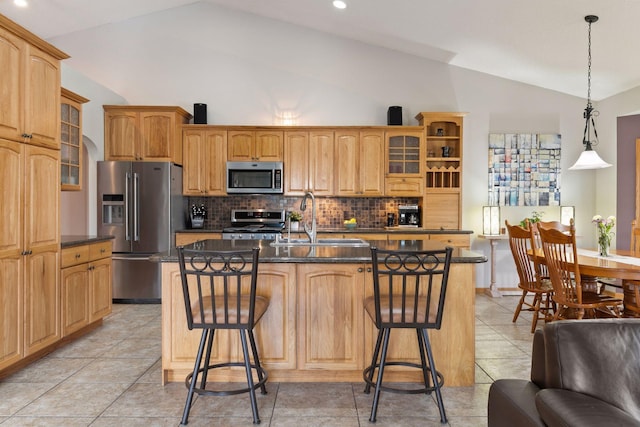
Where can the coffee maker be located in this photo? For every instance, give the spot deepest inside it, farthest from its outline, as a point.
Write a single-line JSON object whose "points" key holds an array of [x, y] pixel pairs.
{"points": [[409, 215]]}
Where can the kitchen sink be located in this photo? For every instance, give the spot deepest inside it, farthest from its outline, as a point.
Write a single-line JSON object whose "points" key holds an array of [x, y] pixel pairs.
{"points": [[354, 243]]}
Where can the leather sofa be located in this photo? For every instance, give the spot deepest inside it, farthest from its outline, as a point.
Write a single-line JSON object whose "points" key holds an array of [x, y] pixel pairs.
{"points": [[583, 373]]}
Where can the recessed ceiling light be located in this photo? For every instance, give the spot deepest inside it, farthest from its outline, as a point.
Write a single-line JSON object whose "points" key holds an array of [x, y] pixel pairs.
{"points": [[339, 4], [20, 3]]}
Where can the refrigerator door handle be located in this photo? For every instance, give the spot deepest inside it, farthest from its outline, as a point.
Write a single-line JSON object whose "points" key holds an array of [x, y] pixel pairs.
{"points": [[127, 229], [136, 207]]}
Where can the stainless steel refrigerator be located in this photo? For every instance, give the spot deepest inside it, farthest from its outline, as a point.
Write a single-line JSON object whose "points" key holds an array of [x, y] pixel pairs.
{"points": [[141, 205]]}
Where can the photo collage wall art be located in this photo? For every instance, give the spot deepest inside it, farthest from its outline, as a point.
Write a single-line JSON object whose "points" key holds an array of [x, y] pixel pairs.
{"points": [[524, 169]]}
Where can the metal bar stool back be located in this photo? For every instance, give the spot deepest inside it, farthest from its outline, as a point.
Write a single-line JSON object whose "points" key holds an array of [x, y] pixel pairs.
{"points": [[409, 292], [219, 289]]}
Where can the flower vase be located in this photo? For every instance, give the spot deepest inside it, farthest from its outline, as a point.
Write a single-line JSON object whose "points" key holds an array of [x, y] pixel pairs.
{"points": [[295, 225], [604, 241]]}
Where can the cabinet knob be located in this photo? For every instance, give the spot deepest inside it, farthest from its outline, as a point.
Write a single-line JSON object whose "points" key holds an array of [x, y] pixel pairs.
{"points": [[360, 270], [102, 251], [77, 256], [369, 270]]}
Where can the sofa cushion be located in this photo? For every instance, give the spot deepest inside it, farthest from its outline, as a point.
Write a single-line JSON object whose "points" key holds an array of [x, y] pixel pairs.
{"points": [[563, 408], [596, 357], [512, 403]]}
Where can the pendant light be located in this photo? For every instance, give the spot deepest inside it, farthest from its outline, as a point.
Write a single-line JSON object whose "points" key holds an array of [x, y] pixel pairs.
{"points": [[589, 159]]}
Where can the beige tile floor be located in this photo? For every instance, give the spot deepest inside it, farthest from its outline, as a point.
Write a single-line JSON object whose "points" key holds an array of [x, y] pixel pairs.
{"points": [[111, 377]]}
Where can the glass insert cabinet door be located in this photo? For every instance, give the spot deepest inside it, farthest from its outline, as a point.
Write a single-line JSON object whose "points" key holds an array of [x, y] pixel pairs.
{"points": [[404, 155], [71, 140]]}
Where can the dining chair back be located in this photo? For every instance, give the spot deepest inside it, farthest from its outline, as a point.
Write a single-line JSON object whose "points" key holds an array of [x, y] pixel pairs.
{"points": [[561, 258], [521, 244], [555, 225]]}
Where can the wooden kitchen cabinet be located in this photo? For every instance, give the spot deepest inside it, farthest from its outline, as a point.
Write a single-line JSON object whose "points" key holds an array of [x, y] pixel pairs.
{"points": [[443, 186], [360, 162], [205, 157], [309, 162], [41, 243], [144, 133], [30, 87], [255, 145], [404, 152], [86, 285], [331, 316], [30, 188], [71, 140], [11, 253]]}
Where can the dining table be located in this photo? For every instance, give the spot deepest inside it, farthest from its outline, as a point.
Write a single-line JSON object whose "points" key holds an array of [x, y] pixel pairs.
{"points": [[623, 265]]}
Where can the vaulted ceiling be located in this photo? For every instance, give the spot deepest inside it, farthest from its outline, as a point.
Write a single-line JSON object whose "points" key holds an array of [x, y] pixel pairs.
{"points": [[542, 42]]}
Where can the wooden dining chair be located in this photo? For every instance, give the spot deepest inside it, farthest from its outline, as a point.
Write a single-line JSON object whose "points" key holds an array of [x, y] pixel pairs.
{"points": [[561, 258], [521, 242]]}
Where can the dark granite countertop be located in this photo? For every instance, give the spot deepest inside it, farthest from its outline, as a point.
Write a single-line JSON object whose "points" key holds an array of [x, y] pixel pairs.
{"points": [[402, 230], [321, 254], [77, 240]]}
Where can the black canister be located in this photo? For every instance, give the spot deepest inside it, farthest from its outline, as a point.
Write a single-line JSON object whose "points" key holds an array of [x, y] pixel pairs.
{"points": [[391, 219]]}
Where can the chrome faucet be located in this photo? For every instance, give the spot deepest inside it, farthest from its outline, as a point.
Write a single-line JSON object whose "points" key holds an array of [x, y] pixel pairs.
{"points": [[311, 232]]}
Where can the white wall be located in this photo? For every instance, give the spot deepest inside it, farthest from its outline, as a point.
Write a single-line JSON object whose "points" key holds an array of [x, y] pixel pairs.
{"points": [[250, 69], [93, 129]]}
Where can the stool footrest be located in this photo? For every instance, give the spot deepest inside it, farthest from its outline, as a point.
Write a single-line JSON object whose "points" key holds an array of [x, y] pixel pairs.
{"points": [[422, 390], [207, 392]]}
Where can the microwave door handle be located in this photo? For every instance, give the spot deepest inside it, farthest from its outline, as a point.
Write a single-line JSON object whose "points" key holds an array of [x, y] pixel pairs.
{"points": [[127, 230], [136, 207]]}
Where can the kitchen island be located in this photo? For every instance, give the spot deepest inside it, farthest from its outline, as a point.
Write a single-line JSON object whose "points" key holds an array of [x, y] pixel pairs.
{"points": [[316, 328]]}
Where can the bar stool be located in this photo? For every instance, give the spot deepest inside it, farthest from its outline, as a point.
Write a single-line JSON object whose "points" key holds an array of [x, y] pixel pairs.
{"points": [[215, 298], [409, 292]]}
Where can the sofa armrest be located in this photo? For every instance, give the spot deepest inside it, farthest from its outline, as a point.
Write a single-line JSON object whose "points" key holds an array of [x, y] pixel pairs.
{"points": [[566, 408], [512, 403], [538, 362]]}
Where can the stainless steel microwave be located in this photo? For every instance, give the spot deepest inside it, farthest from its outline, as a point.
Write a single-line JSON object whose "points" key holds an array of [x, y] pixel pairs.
{"points": [[254, 177]]}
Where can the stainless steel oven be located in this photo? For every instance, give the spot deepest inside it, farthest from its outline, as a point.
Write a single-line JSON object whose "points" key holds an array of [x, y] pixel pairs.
{"points": [[254, 177], [258, 224]]}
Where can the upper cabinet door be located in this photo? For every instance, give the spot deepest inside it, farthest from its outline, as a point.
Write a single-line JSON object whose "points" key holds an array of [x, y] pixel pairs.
{"points": [[11, 72], [120, 135], [296, 163], [321, 162], [268, 146], [372, 163], [157, 132], [241, 146], [11, 184], [42, 99]]}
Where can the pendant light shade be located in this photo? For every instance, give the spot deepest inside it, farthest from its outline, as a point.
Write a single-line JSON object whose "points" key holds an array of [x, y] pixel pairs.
{"points": [[589, 159]]}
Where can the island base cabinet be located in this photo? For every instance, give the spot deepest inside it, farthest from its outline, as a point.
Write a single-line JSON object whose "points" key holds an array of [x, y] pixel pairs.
{"points": [[330, 316], [316, 329]]}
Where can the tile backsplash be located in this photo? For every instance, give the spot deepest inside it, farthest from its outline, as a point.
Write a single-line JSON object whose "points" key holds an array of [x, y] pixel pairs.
{"points": [[331, 211]]}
